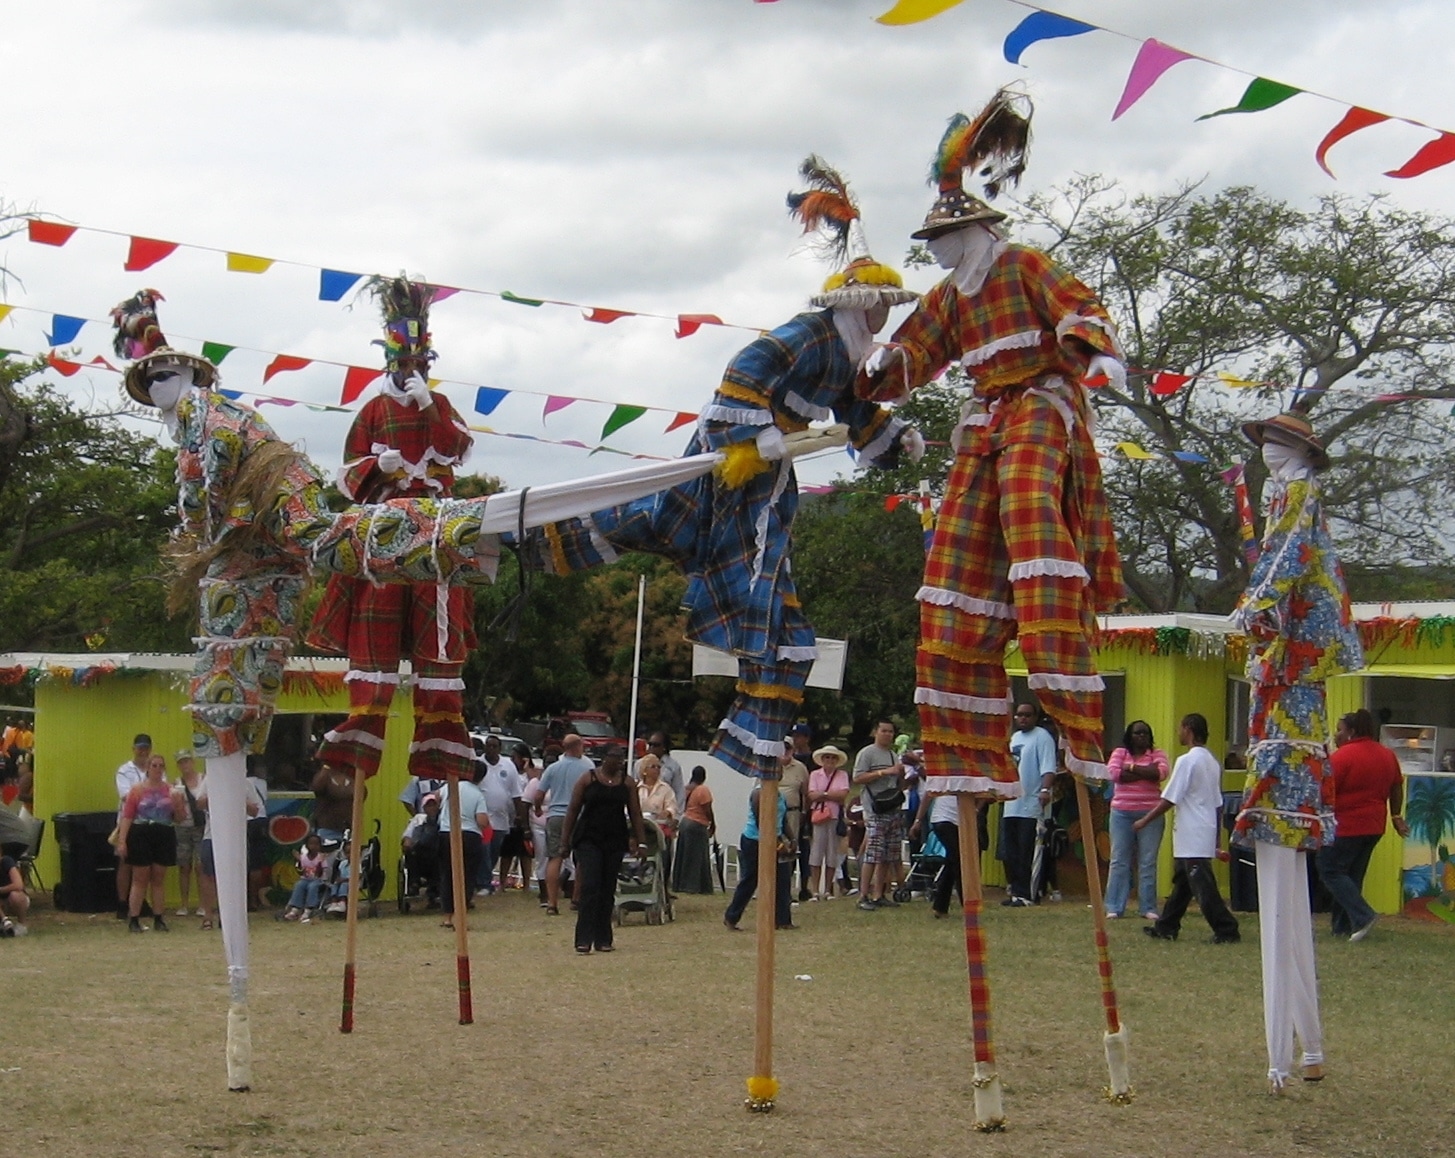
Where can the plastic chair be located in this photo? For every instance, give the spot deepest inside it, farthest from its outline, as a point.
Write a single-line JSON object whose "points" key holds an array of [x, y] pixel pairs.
{"points": [[26, 860]]}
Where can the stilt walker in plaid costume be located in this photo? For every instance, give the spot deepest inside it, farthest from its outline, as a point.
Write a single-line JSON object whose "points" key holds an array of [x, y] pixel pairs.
{"points": [[1023, 546], [1296, 613], [405, 442]]}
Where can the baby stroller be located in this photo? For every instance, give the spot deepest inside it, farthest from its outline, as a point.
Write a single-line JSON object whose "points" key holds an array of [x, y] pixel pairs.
{"points": [[641, 885], [371, 878], [925, 869]]}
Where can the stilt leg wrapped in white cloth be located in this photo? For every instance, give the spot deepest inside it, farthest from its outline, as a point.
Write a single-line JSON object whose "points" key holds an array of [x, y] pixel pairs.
{"points": [[1290, 985], [226, 796]]}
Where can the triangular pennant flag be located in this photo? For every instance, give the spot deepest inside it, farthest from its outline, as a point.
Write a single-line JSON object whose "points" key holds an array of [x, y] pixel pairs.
{"points": [[1096, 380], [50, 232], [1352, 121], [596, 314], [1189, 456], [276, 402], [506, 295], [235, 395], [356, 378], [689, 324], [891, 502], [145, 252], [1236, 383], [63, 329], [554, 403], [622, 416], [682, 419], [1166, 383], [914, 11], [63, 366], [1041, 26], [487, 398], [246, 263], [98, 360], [1433, 154], [283, 363], [334, 283], [5, 312], [441, 292], [1133, 451], [1153, 59], [1233, 475], [215, 352], [1260, 94]]}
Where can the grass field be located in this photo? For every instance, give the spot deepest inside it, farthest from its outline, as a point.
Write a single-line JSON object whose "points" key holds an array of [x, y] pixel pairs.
{"points": [[112, 1043]]}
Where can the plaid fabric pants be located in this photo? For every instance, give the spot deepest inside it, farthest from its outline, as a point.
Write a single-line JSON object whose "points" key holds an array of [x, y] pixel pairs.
{"points": [[1005, 564]]}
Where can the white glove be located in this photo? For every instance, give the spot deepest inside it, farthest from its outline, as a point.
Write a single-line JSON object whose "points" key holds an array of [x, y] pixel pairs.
{"points": [[770, 443], [391, 461], [913, 444], [1116, 374], [881, 358], [417, 390]]}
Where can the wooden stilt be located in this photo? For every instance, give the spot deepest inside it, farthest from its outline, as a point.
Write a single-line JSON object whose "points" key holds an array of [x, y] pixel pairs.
{"points": [[989, 1106], [762, 1086], [462, 900], [1115, 1041], [351, 934]]}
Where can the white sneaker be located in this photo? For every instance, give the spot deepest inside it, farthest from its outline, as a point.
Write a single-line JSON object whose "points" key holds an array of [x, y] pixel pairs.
{"points": [[20, 930], [1113, 916], [1151, 915], [183, 912], [1356, 935]]}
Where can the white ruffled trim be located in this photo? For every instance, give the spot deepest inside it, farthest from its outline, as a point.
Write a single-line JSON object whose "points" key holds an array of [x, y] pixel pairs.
{"points": [[1325, 819], [981, 705], [1087, 769], [784, 467], [796, 402], [228, 643], [598, 540], [1307, 745], [1070, 320], [1065, 683], [944, 597], [1004, 789], [736, 415], [797, 654], [884, 440], [447, 746], [355, 737], [436, 684], [1016, 341], [748, 740], [1055, 391], [1063, 568], [355, 676]]}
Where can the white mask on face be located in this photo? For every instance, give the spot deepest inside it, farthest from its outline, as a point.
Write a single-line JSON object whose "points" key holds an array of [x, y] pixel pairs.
{"points": [[969, 253], [166, 382], [1286, 463]]}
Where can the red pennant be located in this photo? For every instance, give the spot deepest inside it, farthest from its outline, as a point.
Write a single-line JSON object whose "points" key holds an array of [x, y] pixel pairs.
{"points": [[892, 501], [605, 317], [1095, 380], [145, 252], [355, 380], [689, 324], [62, 366], [50, 232], [1354, 120], [98, 360], [1433, 154], [1166, 383], [682, 419], [285, 362]]}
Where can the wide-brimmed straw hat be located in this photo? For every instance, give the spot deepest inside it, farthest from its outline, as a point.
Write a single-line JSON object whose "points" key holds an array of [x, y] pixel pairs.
{"points": [[140, 338], [1289, 429], [829, 750]]}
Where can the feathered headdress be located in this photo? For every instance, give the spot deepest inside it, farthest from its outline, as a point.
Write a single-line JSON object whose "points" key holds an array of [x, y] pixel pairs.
{"points": [[994, 144], [405, 306], [140, 340], [828, 208]]}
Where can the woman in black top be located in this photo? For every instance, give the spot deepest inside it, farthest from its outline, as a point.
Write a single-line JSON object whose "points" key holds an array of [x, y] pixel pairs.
{"points": [[596, 831]]}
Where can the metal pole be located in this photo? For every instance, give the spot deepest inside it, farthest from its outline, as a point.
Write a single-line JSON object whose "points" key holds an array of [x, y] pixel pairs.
{"points": [[631, 735]]}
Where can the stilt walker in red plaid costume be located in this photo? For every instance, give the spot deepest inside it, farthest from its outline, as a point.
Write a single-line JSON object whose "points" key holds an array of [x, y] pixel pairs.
{"points": [[405, 443], [1023, 547]]}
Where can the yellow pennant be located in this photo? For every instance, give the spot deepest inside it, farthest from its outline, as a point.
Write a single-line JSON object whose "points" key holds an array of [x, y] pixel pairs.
{"points": [[914, 11], [1236, 383], [5, 312], [245, 263], [1132, 450]]}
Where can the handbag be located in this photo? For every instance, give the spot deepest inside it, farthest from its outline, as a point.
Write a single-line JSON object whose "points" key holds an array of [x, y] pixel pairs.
{"points": [[822, 812], [885, 795]]}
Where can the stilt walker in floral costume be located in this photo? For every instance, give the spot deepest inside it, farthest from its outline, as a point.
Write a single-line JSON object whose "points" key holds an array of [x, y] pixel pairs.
{"points": [[1296, 614], [1023, 546], [254, 526]]}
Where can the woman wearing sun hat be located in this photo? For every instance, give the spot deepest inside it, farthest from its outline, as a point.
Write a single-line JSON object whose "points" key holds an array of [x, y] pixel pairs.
{"points": [[828, 788]]}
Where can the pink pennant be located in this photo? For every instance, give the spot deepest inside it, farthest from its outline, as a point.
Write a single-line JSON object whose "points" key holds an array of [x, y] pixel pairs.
{"points": [[689, 324], [1166, 383], [606, 317], [682, 419], [441, 292], [285, 362], [553, 403], [1433, 154], [1153, 59], [145, 252], [1352, 121], [356, 380]]}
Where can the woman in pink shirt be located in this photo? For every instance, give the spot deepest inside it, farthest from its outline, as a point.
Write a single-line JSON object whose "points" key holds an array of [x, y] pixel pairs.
{"points": [[828, 788], [1138, 770]]}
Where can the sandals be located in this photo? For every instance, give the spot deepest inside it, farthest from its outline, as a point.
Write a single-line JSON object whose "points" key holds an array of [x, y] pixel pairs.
{"points": [[206, 923], [552, 911]]}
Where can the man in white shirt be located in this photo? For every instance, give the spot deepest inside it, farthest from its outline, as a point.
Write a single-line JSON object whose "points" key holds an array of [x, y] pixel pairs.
{"points": [[131, 773], [1196, 788], [1034, 752], [473, 820], [500, 784]]}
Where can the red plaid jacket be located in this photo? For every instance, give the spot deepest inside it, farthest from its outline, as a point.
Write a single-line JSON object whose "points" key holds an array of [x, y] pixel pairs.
{"points": [[433, 443]]}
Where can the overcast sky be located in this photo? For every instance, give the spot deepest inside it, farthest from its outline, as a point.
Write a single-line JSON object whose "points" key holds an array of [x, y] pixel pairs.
{"points": [[621, 153]]}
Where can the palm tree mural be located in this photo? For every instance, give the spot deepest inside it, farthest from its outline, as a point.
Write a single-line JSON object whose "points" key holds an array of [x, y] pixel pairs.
{"points": [[1430, 813]]}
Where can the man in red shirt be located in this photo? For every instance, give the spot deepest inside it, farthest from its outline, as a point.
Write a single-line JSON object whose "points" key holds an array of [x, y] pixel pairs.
{"points": [[1367, 780]]}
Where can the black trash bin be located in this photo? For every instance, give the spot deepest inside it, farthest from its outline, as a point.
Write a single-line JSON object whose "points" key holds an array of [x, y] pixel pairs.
{"points": [[88, 862]]}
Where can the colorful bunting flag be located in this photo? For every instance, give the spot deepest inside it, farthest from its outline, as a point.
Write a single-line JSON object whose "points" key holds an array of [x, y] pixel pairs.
{"points": [[1041, 26], [1167, 383], [605, 317], [441, 292], [914, 11], [49, 232], [683, 418], [1440, 151], [283, 363], [506, 295], [63, 366], [356, 379], [1261, 94], [554, 403], [1189, 456], [5, 313], [487, 398], [145, 252], [1236, 383], [1133, 451], [622, 416], [334, 283], [1153, 59], [689, 324], [235, 395], [1247, 532], [64, 329], [215, 352], [1352, 121], [246, 263]]}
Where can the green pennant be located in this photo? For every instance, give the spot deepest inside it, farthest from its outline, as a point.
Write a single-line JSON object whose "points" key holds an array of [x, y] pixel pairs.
{"points": [[215, 352], [1260, 94], [621, 416], [506, 295]]}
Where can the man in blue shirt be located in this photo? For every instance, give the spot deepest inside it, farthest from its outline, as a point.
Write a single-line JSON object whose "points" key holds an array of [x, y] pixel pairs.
{"points": [[557, 783], [1034, 752]]}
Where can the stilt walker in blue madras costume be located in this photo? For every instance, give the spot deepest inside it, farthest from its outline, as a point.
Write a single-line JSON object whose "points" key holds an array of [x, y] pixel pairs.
{"points": [[1023, 547], [1296, 614]]}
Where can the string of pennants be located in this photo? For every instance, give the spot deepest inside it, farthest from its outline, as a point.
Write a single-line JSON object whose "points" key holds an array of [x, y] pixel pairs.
{"points": [[333, 284], [1154, 58]]}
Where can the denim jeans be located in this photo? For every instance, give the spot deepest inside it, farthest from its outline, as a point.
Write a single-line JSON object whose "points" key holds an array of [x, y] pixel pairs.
{"points": [[1126, 843], [1342, 866]]}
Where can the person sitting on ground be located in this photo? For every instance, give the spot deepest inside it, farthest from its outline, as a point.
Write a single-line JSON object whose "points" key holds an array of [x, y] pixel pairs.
{"points": [[146, 839], [14, 900], [309, 891]]}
